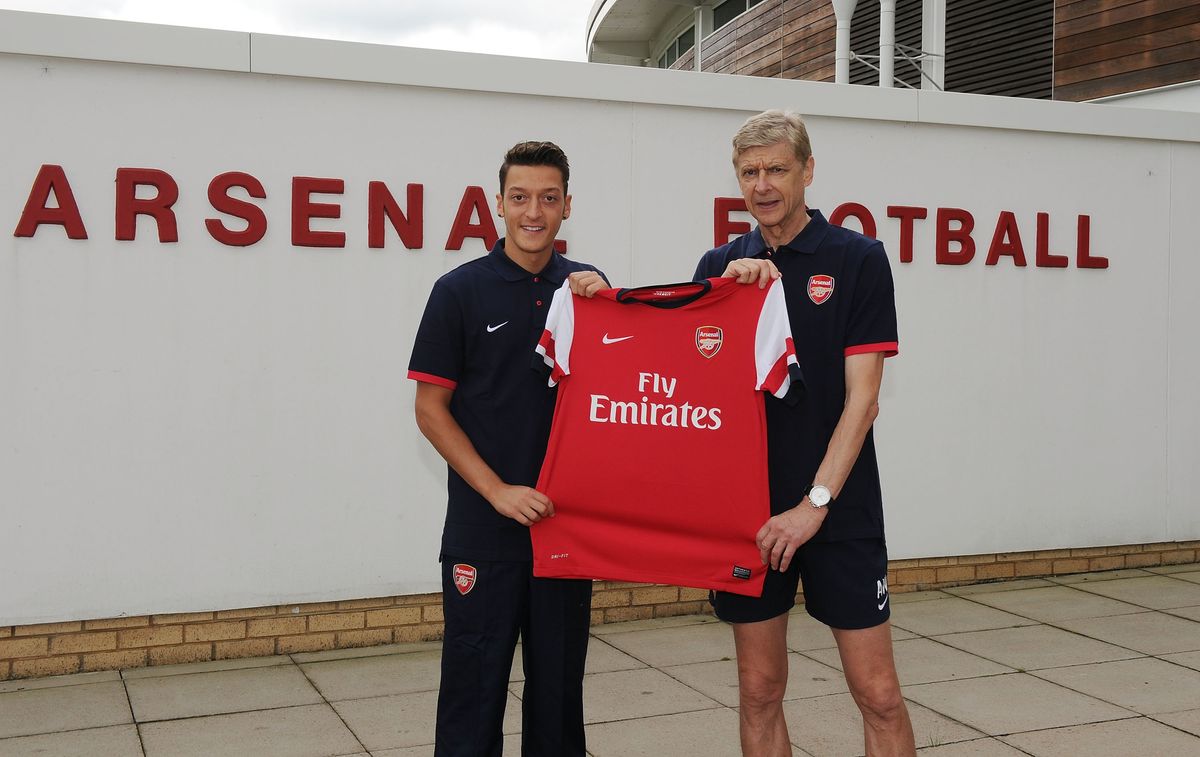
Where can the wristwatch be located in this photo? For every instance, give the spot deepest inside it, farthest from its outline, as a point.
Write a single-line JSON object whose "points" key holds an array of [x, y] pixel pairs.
{"points": [[818, 495]]}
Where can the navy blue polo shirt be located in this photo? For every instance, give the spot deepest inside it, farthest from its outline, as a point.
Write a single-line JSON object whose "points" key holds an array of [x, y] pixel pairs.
{"points": [[841, 301], [477, 337]]}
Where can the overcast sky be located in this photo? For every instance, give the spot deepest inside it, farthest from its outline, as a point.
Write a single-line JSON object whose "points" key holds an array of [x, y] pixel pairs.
{"points": [[530, 28]]}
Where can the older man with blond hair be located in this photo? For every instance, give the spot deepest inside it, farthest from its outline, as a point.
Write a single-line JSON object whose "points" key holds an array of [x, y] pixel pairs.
{"points": [[826, 527]]}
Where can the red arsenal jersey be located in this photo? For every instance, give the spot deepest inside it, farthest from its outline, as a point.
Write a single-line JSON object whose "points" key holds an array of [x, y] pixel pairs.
{"points": [[657, 461]]}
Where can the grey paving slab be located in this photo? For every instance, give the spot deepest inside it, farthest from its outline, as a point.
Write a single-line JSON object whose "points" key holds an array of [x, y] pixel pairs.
{"points": [[1118, 738], [1053, 602], [991, 588], [602, 657], [1144, 685], [916, 596], [1154, 592], [951, 615], [804, 632], [832, 726], [1188, 720], [186, 696], [50, 682], [1169, 569], [310, 731], [688, 734], [1191, 613], [377, 651], [363, 677], [112, 741], [511, 749], [675, 621], [677, 646], [1193, 575], [1186, 659], [923, 660], [404, 720], [718, 680], [1035, 647], [638, 693], [1149, 632], [63, 708], [1104, 575], [973, 748], [1012, 703], [412, 751], [210, 666]]}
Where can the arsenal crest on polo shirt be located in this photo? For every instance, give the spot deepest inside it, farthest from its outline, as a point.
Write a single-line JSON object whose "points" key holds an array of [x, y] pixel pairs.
{"points": [[464, 578], [820, 288], [708, 340]]}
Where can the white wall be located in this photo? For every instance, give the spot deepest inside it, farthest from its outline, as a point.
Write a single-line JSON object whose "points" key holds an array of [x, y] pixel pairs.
{"points": [[192, 426], [1185, 96]]}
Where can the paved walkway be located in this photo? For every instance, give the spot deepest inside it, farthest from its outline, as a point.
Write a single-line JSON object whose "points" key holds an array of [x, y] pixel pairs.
{"points": [[1093, 664]]}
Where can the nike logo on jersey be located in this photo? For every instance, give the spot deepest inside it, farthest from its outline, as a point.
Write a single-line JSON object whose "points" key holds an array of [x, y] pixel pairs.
{"points": [[613, 340], [498, 326], [881, 590]]}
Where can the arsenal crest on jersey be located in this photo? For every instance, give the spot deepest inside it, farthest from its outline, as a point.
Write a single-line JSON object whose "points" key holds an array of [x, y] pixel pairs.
{"points": [[708, 340], [820, 288], [464, 578]]}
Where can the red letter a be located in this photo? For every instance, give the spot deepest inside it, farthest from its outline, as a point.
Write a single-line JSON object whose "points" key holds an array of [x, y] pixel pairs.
{"points": [[51, 178], [474, 202]]}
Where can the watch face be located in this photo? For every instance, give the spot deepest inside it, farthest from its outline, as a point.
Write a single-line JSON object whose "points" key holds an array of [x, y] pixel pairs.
{"points": [[819, 496]]}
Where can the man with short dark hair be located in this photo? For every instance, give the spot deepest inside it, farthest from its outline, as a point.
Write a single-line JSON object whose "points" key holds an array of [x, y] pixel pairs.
{"points": [[486, 410], [827, 512]]}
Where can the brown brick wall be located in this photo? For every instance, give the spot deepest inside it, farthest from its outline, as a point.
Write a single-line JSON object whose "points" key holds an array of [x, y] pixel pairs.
{"points": [[113, 643]]}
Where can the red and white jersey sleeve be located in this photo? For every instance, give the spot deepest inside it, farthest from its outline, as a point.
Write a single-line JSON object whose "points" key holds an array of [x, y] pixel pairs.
{"points": [[774, 351], [660, 389], [555, 344]]}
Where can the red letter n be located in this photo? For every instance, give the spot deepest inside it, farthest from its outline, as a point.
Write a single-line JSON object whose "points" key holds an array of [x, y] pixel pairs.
{"points": [[381, 205]]}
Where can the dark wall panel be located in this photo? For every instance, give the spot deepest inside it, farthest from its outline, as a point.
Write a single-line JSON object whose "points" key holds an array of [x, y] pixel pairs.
{"points": [[1000, 48], [864, 40]]}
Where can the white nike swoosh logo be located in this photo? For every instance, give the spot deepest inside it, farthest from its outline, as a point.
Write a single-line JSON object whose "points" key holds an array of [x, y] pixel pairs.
{"points": [[885, 601], [491, 328], [609, 340]]}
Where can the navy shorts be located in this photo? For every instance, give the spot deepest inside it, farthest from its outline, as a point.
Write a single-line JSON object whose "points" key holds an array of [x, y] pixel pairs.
{"points": [[845, 587]]}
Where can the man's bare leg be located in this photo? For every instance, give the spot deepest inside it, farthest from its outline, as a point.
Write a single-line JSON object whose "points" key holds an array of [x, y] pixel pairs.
{"points": [[762, 681], [871, 674]]}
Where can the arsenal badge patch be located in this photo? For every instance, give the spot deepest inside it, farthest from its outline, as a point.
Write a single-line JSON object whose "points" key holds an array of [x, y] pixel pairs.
{"points": [[464, 578], [820, 288], [708, 340]]}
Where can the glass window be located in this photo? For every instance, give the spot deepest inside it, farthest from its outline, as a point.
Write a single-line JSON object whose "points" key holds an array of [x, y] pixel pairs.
{"points": [[727, 11], [672, 54], [662, 61], [686, 40], [753, 3]]}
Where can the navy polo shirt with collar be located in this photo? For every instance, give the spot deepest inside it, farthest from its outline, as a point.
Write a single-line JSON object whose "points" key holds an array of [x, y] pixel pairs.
{"points": [[841, 302], [477, 337]]}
